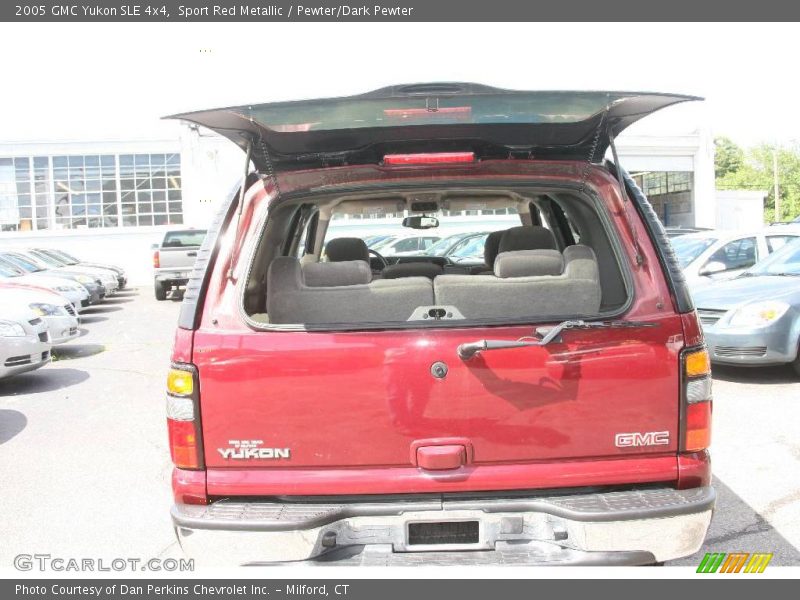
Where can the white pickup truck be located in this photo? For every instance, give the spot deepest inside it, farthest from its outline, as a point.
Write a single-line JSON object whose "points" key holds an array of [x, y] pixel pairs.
{"points": [[174, 258]]}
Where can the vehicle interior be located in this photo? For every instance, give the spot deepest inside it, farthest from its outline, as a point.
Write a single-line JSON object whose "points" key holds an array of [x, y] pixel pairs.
{"points": [[554, 256]]}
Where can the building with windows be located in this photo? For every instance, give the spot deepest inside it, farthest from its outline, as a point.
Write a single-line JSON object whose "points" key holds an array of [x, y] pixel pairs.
{"points": [[115, 198], [57, 192]]}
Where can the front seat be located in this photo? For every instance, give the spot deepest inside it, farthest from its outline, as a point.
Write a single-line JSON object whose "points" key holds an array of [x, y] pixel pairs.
{"points": [[526, 238], [491, 247], [347, 248]]}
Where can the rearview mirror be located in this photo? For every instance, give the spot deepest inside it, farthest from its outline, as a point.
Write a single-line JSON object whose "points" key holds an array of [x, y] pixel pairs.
{"points": [[421, 222], [712, 268]]}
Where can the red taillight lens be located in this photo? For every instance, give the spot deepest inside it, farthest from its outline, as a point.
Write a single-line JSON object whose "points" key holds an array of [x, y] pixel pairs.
{"points": [[696, 400], [183, 444], [697, 434], [183, 417], [433, 158], [156, 260]]}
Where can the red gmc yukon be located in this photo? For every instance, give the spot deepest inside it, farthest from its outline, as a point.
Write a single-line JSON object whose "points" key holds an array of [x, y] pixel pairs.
{"points": [[544, 401]]}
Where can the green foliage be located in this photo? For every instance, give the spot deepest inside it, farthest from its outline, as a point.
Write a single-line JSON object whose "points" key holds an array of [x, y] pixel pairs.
{"points": [[728, 157], [754, 172]]}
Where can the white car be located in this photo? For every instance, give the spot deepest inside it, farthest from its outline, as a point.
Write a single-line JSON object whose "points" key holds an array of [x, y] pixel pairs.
{"points": [[106, 277], [406, 245], [708, 256], [58, 313], [74, 292], [24, 340]]}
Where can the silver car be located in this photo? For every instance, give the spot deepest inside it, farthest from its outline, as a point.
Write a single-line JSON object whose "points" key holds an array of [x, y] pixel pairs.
{"points": [[57, 312], [754, 319], [707, 257], [24, 340]]}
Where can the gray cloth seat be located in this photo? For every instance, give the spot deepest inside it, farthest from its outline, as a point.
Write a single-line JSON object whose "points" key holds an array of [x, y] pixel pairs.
{"points": [[412, 269], [524, 237], [491, 247], [347, 296], [527, 283], [346, 249]]}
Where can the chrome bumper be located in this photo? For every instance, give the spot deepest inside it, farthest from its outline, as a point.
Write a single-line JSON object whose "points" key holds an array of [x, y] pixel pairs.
{"points": [[630, 527]]}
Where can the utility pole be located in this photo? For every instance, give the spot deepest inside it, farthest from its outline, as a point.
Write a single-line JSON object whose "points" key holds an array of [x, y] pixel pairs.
{"points": [[775, 183]]}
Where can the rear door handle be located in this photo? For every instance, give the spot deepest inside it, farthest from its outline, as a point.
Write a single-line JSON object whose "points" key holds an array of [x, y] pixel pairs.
{"points": [[191, 254]]}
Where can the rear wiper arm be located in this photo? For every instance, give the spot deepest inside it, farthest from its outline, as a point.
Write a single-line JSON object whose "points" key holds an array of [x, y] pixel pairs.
{"points": [[548, 334]]}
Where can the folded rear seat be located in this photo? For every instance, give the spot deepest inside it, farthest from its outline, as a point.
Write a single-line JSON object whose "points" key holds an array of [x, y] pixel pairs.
{"points": [[527, 283], [340, 292]]}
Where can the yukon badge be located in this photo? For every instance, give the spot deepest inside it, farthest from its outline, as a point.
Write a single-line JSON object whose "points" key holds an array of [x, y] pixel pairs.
{"points": [[648, 438], [246, 449]]}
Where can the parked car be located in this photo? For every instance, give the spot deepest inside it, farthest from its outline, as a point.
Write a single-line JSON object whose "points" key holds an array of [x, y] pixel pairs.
{"points": [[555, 410], [469, 251], [174, 258], [676, 231], [372, 240], [710, 256], [93, 285], [446, 245], [67, 260], [59, 315], [405, 245], [74, 292], [107, 277], [754, 319], [24, 340]]}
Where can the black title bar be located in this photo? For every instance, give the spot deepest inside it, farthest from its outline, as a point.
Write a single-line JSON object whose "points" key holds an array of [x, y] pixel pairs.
{"points": [[400, 10]]}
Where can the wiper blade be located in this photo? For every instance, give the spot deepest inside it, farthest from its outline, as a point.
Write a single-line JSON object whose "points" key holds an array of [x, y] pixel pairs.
{"points": [[548, 334]]}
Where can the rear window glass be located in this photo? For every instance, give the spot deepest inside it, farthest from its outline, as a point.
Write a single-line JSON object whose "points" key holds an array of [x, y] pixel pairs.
{"points": [[180, 239], [488, 108], [469, 259]]}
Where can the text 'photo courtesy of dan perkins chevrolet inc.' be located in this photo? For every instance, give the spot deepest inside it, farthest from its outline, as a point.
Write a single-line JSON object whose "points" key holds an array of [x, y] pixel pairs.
{"points": [[398, 299]]}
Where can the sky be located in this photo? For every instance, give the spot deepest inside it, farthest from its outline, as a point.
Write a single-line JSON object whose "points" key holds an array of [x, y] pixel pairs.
{"points": [[114, 81]]}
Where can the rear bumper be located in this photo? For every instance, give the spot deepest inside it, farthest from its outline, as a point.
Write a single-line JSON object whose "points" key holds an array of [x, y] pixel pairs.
{"points": [[630, 527], [173, 277]]}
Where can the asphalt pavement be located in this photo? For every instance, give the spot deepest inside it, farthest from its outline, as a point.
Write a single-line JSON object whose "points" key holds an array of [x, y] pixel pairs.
{"points": [[85, 469]]}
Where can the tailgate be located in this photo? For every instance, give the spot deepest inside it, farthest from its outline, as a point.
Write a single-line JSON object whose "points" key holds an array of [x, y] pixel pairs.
{"points": [[177, 258], [371, 399]]}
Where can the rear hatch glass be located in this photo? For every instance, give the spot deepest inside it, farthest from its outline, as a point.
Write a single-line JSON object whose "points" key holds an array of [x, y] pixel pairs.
{"points": [[437, 117]]}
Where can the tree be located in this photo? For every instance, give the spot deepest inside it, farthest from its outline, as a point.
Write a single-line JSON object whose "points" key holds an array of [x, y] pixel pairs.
{"points": [[728, 157], [755, 173]]}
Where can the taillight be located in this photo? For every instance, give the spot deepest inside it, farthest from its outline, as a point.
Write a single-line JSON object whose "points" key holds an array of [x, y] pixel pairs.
{"points": [[183, 420], [431, 158], [156, 260], [696, 400]]}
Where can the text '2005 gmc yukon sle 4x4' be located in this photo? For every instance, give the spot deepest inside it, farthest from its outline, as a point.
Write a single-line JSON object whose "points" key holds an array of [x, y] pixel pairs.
{"points": [[549, 404]]}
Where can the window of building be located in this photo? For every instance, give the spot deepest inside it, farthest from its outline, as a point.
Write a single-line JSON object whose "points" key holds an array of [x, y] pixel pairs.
{"points": [[90, 191]]}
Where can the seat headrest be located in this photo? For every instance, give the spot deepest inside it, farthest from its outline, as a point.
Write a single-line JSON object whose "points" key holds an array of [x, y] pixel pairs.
{"points": [[347, 248], [529, 263], [491, 247], [412, 269], [527, 238], [334, 274]]}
